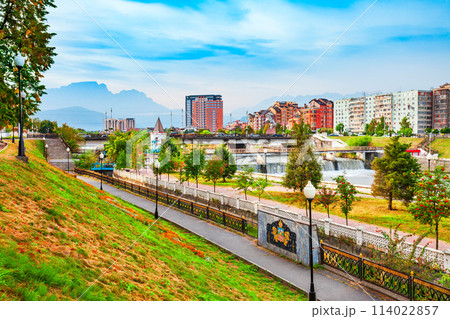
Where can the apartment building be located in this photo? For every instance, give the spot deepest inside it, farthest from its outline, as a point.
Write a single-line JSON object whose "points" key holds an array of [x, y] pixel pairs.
{"points": [[283, 111], [416, 106], [341, 113], [204, 112], [318, 114], [258, 120], [357, 114], [441, 107], [123, 125]]}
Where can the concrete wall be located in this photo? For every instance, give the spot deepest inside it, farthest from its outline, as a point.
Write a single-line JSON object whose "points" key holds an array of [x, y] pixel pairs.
{"points": [[299, 228]]}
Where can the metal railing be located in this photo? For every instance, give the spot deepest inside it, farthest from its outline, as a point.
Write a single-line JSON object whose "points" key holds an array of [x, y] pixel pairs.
{"points": [[199, 210], [409, 286]]}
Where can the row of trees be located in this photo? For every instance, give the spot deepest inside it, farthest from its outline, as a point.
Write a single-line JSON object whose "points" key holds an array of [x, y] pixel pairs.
{"points": [[24, 29]]}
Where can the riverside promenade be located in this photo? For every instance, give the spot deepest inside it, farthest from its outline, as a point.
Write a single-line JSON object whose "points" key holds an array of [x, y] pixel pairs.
{"points": [[328, 286]]}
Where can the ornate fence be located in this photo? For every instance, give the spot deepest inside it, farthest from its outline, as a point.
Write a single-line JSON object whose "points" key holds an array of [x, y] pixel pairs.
{"points": [[398, 282], [202, 211], [358, 235]]}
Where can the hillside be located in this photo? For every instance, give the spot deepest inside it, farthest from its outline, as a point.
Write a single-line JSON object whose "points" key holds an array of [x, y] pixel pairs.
{"points": [[58, 235]]}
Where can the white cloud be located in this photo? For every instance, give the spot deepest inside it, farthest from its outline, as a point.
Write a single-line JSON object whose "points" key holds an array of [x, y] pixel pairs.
{"points": [[281, 39]]}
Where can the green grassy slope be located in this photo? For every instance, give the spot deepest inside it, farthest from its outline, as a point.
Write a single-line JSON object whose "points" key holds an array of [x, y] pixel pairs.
{"points": [[58, 235]]}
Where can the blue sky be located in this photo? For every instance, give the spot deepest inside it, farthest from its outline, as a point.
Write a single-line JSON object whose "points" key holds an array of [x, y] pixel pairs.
{"points": [[250, 50]]}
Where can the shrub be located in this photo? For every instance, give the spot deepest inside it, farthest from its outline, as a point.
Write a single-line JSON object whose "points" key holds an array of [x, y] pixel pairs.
{"points": [[360, 141]]}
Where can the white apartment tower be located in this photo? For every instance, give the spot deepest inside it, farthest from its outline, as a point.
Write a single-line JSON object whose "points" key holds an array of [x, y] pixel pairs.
{"points": [[341, 114]]}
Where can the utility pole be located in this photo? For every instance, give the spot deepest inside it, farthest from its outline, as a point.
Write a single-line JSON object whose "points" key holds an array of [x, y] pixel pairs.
{"points": [[170, 119]]}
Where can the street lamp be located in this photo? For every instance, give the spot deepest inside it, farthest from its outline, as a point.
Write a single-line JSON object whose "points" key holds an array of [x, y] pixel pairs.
{"points": [[68, 159], [310, 192], [46, 152], [102, 156], [429, 158], [179, 162], [20, 61], [265, 160], [157, 168]]}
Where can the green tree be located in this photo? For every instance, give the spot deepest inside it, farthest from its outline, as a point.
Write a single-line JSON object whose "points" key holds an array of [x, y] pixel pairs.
{"points": [[71, 136], [168, 153], [347, 194], [340, 128], [433, 199], [302, 166], [47, 126], [213, 171], [327, 198], [194, 164], [245, 180], [405, 127], [224, 154], [24, 29], [85, 160], [381, 127], [259, 186], [371, 127], [396, 173]]}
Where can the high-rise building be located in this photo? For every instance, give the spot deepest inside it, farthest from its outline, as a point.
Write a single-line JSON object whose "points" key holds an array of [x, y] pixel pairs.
{"points": [[120, 124], [283, 111], [318, 114], [356, 114], [341, 113], [416, 106], [204, 112], [441, 107]]}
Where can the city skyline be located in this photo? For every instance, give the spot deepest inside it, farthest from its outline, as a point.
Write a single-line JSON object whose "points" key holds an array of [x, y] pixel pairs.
{"points": [[249, 51]]}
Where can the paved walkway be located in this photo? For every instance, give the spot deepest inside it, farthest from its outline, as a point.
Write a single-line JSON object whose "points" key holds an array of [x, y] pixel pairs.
{"points": [[329, 286], [57, 154], [229, 191]]}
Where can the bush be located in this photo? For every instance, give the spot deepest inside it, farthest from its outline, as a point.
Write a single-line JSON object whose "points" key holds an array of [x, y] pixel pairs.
{"points": [[360, 141], [86, 160]]}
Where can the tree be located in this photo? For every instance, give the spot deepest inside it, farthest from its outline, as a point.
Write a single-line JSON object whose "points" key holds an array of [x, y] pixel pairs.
{"points": [[245, 180], [47, 126], [194, 164], [260, 185], [405, 127], [228, 159], [381, 127], [24, 29], [85, 160], [340, 128], [347, 194], [302, 166], [168, 152], [327, 198], [433, 199], [214, 170], [396, 173]]}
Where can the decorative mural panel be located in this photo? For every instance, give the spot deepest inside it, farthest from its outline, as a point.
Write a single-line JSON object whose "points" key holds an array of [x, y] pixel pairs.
{"points": [[280, 235]]}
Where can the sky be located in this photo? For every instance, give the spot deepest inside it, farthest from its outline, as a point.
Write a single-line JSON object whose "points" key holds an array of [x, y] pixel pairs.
{"points": [[251, 50]]}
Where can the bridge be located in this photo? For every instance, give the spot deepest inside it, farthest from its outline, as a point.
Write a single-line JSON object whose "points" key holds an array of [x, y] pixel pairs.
{"points": [[97, 167]]}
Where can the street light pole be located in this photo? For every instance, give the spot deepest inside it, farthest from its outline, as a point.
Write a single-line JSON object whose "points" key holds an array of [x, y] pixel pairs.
{"points": [[20, 61], [310, 192], [46, 152], [101, 170], [156, 209], [68, 159]]}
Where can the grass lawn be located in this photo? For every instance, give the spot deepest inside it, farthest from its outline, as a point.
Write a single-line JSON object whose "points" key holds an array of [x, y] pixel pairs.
{"points": [[382, 141], [372, 211], [58, 235], [443, 146]]}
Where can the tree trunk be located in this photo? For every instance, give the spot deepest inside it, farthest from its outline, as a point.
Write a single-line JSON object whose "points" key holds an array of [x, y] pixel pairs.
{"points": [[328, 212], [245, 192], [196, 181], [390, 201], [437, 236], [214, 187], [346, 220]]}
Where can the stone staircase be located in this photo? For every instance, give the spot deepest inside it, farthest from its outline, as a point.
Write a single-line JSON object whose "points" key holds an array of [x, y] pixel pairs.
{"points": [[57, 154]]}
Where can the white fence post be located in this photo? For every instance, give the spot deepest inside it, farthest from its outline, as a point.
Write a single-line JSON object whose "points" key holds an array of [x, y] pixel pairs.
{"points": [[208, 195], [447, 259], [256, 207], [184, 189], [276, 210], [238, 203], [359, 235], [327, 226], [195, 192], [222, 199]]}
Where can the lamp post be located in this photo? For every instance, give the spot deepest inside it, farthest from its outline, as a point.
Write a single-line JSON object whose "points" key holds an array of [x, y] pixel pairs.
{"points": [[20, 61], [46, 152], [310, 192], [68, 159], [157, 168], [179, 162], [265, 161], [102, 156], [429, 158]]}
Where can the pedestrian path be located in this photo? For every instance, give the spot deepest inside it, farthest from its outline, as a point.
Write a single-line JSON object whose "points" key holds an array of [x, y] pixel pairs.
{"points": [[57, 154], [328, 286]]}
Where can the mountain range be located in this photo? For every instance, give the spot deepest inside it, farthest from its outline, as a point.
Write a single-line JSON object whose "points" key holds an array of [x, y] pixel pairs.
{"points": [[83, 105]]}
